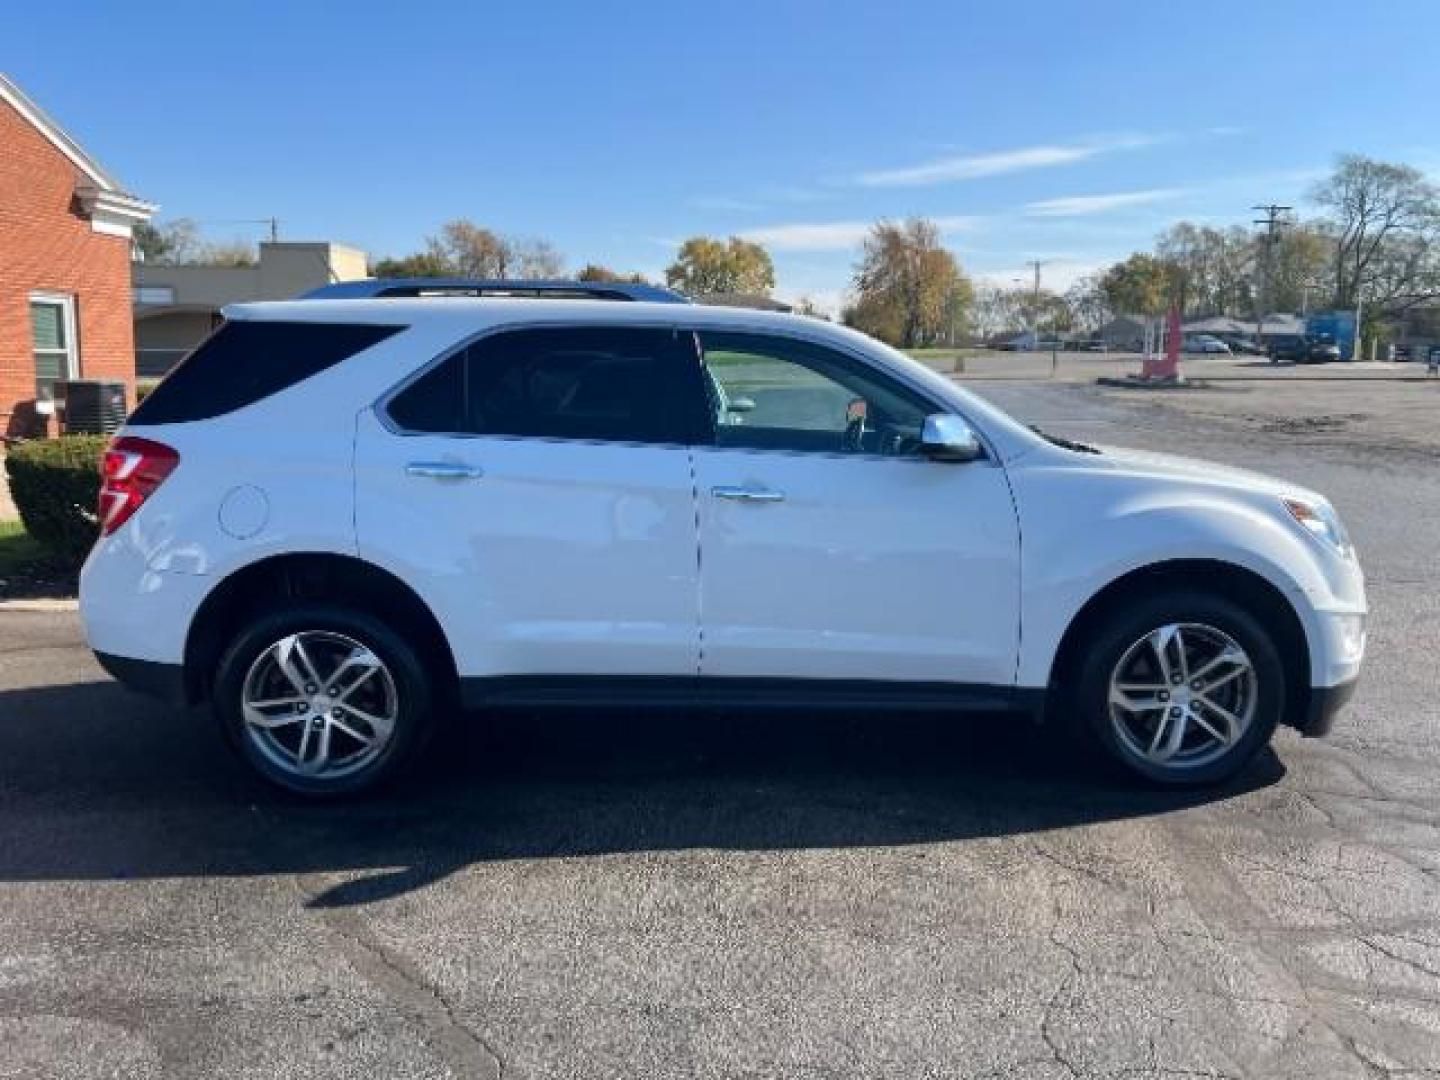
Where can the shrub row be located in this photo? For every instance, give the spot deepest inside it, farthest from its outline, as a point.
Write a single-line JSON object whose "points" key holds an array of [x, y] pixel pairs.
{"points": [[55, 484]]}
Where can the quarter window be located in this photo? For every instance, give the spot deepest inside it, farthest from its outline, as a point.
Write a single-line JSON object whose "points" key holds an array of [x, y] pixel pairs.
{"points": [[771, 393], [616, 384], [247, 361], [52, 329]]}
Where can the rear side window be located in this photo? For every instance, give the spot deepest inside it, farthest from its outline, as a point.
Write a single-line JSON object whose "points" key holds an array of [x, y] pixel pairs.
{"points": [[245, 361], [614, 384]]}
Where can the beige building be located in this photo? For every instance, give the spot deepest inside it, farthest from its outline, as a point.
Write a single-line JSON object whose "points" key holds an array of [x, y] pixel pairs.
{"points": [[177, 306]]}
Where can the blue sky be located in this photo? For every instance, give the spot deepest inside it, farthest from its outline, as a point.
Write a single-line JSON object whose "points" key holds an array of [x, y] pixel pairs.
{"points": [[1070, 132]]}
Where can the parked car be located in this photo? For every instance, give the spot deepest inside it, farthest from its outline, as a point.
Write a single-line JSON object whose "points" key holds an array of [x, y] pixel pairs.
{"points": [[1323, 349], [1289, 348], [342, 521], [1204, 343], [1245, 346], [1303, 348]]}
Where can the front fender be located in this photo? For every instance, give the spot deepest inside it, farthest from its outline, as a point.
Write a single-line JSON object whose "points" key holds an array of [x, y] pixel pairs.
{"points": [[1081, 535]]}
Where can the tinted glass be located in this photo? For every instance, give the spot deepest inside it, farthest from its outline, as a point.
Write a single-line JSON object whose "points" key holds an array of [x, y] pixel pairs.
{"points": [[771, 393], [435, 402], [243, 362], [603, 383]]}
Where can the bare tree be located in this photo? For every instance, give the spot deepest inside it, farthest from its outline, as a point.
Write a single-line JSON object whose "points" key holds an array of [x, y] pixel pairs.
{"points": [[1088, 305], [532, 258], [1212, 268], [1384, 220]]}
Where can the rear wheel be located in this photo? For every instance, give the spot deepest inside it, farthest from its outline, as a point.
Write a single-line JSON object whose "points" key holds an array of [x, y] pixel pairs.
{"points": [[323, 701], [1182, 688]]}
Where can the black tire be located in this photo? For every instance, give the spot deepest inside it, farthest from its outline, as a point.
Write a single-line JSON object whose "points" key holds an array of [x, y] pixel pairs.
{"points": [[413, 689], [1126, 625]]}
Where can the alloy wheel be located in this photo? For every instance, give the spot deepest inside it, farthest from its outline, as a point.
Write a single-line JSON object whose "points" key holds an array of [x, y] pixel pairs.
{"points": [[319, 705], [1181, 696]]}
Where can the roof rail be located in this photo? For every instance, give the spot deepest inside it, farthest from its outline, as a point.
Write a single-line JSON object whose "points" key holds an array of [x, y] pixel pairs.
{"points": [[379, 288]]}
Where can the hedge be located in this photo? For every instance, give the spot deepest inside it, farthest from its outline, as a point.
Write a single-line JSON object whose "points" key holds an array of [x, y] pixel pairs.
{"points": [[55, 484]]}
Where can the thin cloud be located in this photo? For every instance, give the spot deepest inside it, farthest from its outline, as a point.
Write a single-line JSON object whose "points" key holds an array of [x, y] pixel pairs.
{"points": [[835, 235], [976, 166], [1086, 205]]}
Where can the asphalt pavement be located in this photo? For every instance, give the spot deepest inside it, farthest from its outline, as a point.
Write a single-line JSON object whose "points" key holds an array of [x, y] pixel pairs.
{"points": [[718, 894]]}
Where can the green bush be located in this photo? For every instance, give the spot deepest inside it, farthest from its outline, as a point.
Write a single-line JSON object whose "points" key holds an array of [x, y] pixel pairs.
{"points": [[55, 484]]}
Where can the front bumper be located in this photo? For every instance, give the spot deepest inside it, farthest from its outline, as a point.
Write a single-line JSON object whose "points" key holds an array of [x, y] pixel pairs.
{"points": [[158, 680], [1324, 705]]}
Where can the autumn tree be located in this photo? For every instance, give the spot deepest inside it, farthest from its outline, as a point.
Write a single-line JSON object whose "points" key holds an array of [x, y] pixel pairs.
{"points": [[434, 261], [1141, 285], [908, 289], [597, 272], [705, 266], [473, 251], [1299, 275], [464, 249]]}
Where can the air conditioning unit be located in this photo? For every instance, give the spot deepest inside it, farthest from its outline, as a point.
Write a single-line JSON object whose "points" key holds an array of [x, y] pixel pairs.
{"points": [[94, 406]]}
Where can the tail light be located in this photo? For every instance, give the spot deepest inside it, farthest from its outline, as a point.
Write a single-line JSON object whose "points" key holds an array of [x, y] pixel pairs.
{"points": [[130, 471]]}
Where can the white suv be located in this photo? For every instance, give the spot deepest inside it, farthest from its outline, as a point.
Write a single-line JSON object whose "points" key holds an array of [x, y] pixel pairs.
{"points": [[341, 519]]}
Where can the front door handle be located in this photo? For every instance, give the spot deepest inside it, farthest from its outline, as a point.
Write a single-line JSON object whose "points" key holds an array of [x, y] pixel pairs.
{"points": [[748, 494], [444, 470]]}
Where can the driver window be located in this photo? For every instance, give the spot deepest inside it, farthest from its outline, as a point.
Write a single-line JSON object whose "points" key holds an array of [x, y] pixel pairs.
{"points": [[773, 393]]}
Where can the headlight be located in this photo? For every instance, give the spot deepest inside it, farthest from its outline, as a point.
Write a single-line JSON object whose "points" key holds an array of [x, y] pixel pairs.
{"points": [[1321, 521]]}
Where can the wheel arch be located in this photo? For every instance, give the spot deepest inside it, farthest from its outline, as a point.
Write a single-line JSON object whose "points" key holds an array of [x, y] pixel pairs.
{"points": [[309, 576], [1241, 585]]}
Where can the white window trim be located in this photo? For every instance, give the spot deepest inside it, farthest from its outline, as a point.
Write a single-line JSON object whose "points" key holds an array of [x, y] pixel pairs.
{"points": [[66, 303]]}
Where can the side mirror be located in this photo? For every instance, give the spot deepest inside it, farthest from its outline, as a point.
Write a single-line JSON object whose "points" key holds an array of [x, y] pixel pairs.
{"points": [[946, 437], [741, 404]]}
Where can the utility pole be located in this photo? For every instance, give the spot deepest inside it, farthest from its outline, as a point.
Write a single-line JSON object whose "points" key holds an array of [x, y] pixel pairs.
{"points": [[1035, 305], [1272, 223]]}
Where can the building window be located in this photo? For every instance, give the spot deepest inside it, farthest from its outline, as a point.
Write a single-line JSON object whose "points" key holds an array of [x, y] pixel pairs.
{"points": [[52, 327], [154, 294]]}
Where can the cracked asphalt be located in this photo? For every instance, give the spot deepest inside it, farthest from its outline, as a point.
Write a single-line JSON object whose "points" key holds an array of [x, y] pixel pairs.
{"points": [[714, 894]]}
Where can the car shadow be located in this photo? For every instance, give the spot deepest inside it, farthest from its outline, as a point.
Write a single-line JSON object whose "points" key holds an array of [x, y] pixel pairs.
{"points": [[98, 784]]}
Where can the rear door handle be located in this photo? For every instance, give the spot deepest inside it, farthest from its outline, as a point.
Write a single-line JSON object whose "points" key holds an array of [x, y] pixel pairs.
{"points": [[444, 470], [748, 494]]}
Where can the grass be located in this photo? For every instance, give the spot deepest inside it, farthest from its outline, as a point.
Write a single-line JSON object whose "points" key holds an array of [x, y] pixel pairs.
{"points": [[19, 551]]}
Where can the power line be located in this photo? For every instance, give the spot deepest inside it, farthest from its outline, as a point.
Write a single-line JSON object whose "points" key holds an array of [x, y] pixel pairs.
{"points": [[272, 222]]}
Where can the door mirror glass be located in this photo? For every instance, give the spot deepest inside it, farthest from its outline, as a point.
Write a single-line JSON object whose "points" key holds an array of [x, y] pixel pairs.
{"points": [[946, 437]]}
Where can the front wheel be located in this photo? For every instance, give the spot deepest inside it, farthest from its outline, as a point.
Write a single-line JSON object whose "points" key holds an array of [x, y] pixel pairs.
{"points": [[1182, 688], [322, 700]]}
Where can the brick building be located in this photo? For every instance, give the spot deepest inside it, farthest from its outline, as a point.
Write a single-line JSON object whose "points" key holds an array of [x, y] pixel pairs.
{"points": [[65, 299]]}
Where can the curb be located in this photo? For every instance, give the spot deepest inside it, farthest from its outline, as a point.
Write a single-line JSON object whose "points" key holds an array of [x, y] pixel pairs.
{"points": [[1135, 382], [39, 606]]}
